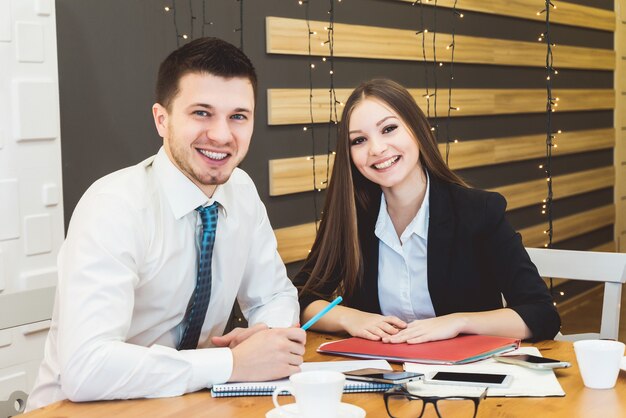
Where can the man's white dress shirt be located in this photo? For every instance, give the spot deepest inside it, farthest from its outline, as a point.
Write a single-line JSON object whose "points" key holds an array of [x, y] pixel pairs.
{"points": [[402, 265], [127, 270]]}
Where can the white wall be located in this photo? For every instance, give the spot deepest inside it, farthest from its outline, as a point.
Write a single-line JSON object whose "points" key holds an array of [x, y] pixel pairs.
{"points": [[31, 209]]}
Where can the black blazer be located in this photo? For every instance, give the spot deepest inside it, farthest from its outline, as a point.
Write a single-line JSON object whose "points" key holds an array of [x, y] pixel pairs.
{"points": [[474, 256]]}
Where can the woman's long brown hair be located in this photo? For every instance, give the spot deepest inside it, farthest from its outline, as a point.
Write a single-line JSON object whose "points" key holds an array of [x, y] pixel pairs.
{"points": [[336, 251]]}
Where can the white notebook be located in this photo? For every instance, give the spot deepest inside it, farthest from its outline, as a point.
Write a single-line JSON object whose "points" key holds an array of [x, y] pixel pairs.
{"points": [[526, 382], [266, 388]]}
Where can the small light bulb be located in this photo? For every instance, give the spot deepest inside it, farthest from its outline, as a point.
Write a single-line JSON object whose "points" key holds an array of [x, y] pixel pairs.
{"points": [[312, 65], [324, 59], [331, 72], [456, 141], [304, 128], [185, 36], [167, 8]]}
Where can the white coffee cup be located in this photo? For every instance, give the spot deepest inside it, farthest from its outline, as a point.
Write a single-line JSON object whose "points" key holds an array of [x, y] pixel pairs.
{"points": [[599, 362], [318, 394]]}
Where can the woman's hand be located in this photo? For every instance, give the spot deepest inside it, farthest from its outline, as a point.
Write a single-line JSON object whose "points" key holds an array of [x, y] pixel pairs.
{"points": [[432, 329], [371, 326]]}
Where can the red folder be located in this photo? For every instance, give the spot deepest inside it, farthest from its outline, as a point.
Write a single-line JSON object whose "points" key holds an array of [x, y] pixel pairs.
{"points": [[459, 350]]}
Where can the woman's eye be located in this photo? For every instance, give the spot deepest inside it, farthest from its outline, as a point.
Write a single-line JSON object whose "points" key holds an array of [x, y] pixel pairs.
{"points": [[357, 141], [201, 113], [239, 116], [389, 128]]}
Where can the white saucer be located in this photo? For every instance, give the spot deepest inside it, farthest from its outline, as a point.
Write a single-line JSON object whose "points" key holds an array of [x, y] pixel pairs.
{"points": [[346, 410], [623, 364]]}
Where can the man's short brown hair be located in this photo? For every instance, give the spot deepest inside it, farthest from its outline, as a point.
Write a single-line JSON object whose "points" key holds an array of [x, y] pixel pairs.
{"points": [[204, 55]]}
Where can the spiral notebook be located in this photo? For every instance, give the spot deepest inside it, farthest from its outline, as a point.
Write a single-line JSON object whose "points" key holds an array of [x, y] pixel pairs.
{"points": [[266, 388]]}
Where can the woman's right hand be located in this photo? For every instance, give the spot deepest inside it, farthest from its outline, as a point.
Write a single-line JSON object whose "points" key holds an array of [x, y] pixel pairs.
{"points": [[371, 326]]}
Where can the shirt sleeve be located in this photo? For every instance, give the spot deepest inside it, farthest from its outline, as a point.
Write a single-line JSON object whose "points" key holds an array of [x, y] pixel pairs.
{"points": [[266, 295], [98, 274], [523, 289]]}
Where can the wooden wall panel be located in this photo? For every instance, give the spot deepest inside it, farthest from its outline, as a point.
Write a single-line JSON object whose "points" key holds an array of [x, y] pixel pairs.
{"points": [[533, 192], [295, 175], [565, 14], [291, 106], [570, 226], [294, 242], [466, 154], [289, 36]]}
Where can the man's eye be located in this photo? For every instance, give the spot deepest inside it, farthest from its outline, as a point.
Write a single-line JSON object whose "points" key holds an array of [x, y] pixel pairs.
{"points": [[201, 113], [389, 128], [357, 140], [239, 116]]}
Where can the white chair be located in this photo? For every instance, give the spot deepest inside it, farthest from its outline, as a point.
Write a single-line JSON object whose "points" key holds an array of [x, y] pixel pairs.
{"points": [[609, 268]]}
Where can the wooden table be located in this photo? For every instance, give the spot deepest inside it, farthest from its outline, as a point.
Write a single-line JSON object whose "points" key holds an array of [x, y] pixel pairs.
{"points": [[578, 402]]}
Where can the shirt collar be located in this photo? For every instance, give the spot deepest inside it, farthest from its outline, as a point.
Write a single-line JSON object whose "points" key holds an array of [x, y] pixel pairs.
{"points": [[384, 229], [181, 193]]}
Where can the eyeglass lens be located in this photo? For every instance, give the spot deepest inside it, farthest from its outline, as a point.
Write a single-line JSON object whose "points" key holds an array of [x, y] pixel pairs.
{"points": [[403, 407]]}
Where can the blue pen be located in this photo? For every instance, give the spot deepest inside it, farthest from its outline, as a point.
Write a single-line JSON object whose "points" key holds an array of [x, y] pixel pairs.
{"points": [[321, 313]]}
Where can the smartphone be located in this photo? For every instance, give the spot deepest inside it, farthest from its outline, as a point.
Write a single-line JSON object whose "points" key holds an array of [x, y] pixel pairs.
{"points": [[534, 362], [383, 376], [471, 379]]}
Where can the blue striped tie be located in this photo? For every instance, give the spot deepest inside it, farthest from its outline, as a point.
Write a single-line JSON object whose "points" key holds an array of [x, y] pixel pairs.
{"points": [[202, 292]]}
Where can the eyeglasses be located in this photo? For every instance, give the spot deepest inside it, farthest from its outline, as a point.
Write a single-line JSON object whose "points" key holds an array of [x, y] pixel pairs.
{"points": [[400, 403]]}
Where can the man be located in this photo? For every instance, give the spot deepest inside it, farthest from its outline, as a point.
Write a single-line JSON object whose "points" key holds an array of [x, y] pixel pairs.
{"points": [[156, 254]]}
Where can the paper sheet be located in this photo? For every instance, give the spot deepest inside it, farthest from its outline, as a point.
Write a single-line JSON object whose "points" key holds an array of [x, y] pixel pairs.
{"points": [[526, 382]]}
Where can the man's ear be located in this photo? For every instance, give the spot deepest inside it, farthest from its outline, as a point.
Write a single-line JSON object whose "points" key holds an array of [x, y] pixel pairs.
{"points": [[160, 115]]}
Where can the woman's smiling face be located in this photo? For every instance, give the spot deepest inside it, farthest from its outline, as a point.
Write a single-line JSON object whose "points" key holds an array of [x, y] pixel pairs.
{"points": [[381, 146]]}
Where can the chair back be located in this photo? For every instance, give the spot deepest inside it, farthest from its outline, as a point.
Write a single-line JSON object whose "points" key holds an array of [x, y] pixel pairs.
{"points": [[609, 268]]}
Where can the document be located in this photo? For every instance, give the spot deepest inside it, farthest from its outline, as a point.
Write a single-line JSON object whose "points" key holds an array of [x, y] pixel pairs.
{"points": [[526, 381]]}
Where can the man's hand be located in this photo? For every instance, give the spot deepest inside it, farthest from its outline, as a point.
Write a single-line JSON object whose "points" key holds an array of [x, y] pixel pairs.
{"points": [[237, 336], [268, 354]]}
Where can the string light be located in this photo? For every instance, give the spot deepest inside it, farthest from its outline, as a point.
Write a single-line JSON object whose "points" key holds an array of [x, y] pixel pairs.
{"points": [[205, 22], [423, 32], [240, 28], [435, 121], [455, 12], [333, 117], [546, 207], [310, 70]]}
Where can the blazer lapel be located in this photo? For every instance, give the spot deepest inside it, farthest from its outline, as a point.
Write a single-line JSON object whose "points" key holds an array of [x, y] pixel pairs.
{"points": [[440, 240]]}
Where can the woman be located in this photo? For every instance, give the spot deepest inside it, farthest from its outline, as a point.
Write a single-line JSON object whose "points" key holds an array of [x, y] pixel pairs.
{"points": [[417, 254]]}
